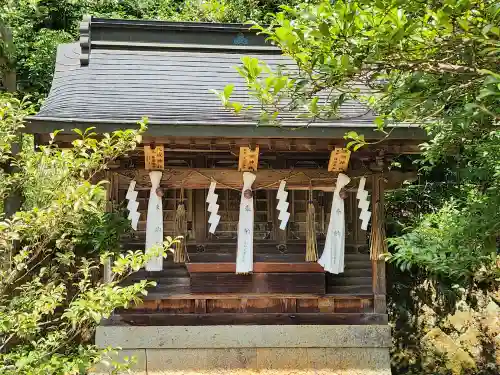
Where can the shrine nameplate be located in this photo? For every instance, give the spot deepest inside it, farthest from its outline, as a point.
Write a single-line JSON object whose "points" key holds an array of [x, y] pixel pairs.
{"points": [[248, 159], [154, 157], [339, 160], [258, 283]]}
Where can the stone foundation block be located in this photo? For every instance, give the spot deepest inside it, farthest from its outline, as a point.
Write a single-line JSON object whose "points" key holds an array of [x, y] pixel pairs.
{"points": [[252, 350]]}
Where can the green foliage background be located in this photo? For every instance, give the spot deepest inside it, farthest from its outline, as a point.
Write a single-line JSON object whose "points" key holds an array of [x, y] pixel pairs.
{"points": [[40, 25]]}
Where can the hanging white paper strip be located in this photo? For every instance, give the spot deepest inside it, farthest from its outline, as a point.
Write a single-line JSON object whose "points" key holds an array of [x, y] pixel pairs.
{"points": [[332, 259], [213, 208], [244, 253], [132, 205], [364, 203], [282, 206], [154, 223]]}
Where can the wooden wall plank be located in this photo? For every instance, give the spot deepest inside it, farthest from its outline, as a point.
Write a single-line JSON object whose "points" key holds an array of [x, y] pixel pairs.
{"points": [[223, 306], [289, 305], [326, 305], [258, 305], [307, 305], [200, 306], [146, 305], [264, 305], [177, 306]]}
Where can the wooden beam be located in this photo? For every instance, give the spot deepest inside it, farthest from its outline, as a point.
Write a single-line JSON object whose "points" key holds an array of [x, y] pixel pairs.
{"points": [[279, 144], [159, 319], [297, 179], [282, 145]]}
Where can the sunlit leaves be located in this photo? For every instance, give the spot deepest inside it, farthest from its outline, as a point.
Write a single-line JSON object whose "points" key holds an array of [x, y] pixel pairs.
{"points": [[52, 251], [433, 65]]}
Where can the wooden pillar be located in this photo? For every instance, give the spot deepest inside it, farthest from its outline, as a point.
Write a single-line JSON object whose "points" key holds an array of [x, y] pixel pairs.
{"points": [[378, 266], [200, 205], [200, 218]]}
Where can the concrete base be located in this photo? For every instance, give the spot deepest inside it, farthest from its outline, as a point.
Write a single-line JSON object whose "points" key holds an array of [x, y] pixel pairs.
{"points": [[277, 350]]}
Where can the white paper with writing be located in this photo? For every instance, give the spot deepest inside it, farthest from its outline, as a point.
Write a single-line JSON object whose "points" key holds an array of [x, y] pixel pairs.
{"points": [[244, 253], [154, 223], [332, 259]]}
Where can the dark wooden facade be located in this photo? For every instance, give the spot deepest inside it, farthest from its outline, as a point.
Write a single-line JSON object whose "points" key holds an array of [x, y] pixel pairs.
{"points": [[122, 70], [284, 288]]}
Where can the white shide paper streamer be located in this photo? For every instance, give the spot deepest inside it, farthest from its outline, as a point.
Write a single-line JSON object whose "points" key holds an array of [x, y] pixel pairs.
{"points": [[133, 205], [213, 208], [282, 206], [364, 203]]}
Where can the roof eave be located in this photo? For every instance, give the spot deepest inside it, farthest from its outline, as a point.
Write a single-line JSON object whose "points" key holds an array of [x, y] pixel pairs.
{"points": [[44, 125]]}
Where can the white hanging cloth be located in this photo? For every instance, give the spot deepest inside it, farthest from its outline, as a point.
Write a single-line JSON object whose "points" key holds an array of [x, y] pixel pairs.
{"points": [[244, 253], [154, 223], [332, 259]]}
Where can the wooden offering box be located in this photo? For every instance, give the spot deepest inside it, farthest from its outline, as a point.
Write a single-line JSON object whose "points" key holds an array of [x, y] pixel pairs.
{"points": [[267, 277]]}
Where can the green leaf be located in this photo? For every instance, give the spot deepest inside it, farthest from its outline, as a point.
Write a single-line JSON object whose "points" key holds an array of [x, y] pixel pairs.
{"points": [[379, 122], [350, 144], [358, 146], [237, 106], [228, 90], [280, 83], [345, 61], [324, 28], [313, 106], [464, 24], [470, 107]]}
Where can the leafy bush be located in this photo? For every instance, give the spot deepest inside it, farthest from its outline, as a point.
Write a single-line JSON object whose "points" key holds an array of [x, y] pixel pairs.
{"points": [[52, 251]]}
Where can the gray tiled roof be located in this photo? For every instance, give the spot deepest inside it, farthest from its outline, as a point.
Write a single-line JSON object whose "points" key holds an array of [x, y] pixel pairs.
{"points": [[164, 72], [167, 86]]}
